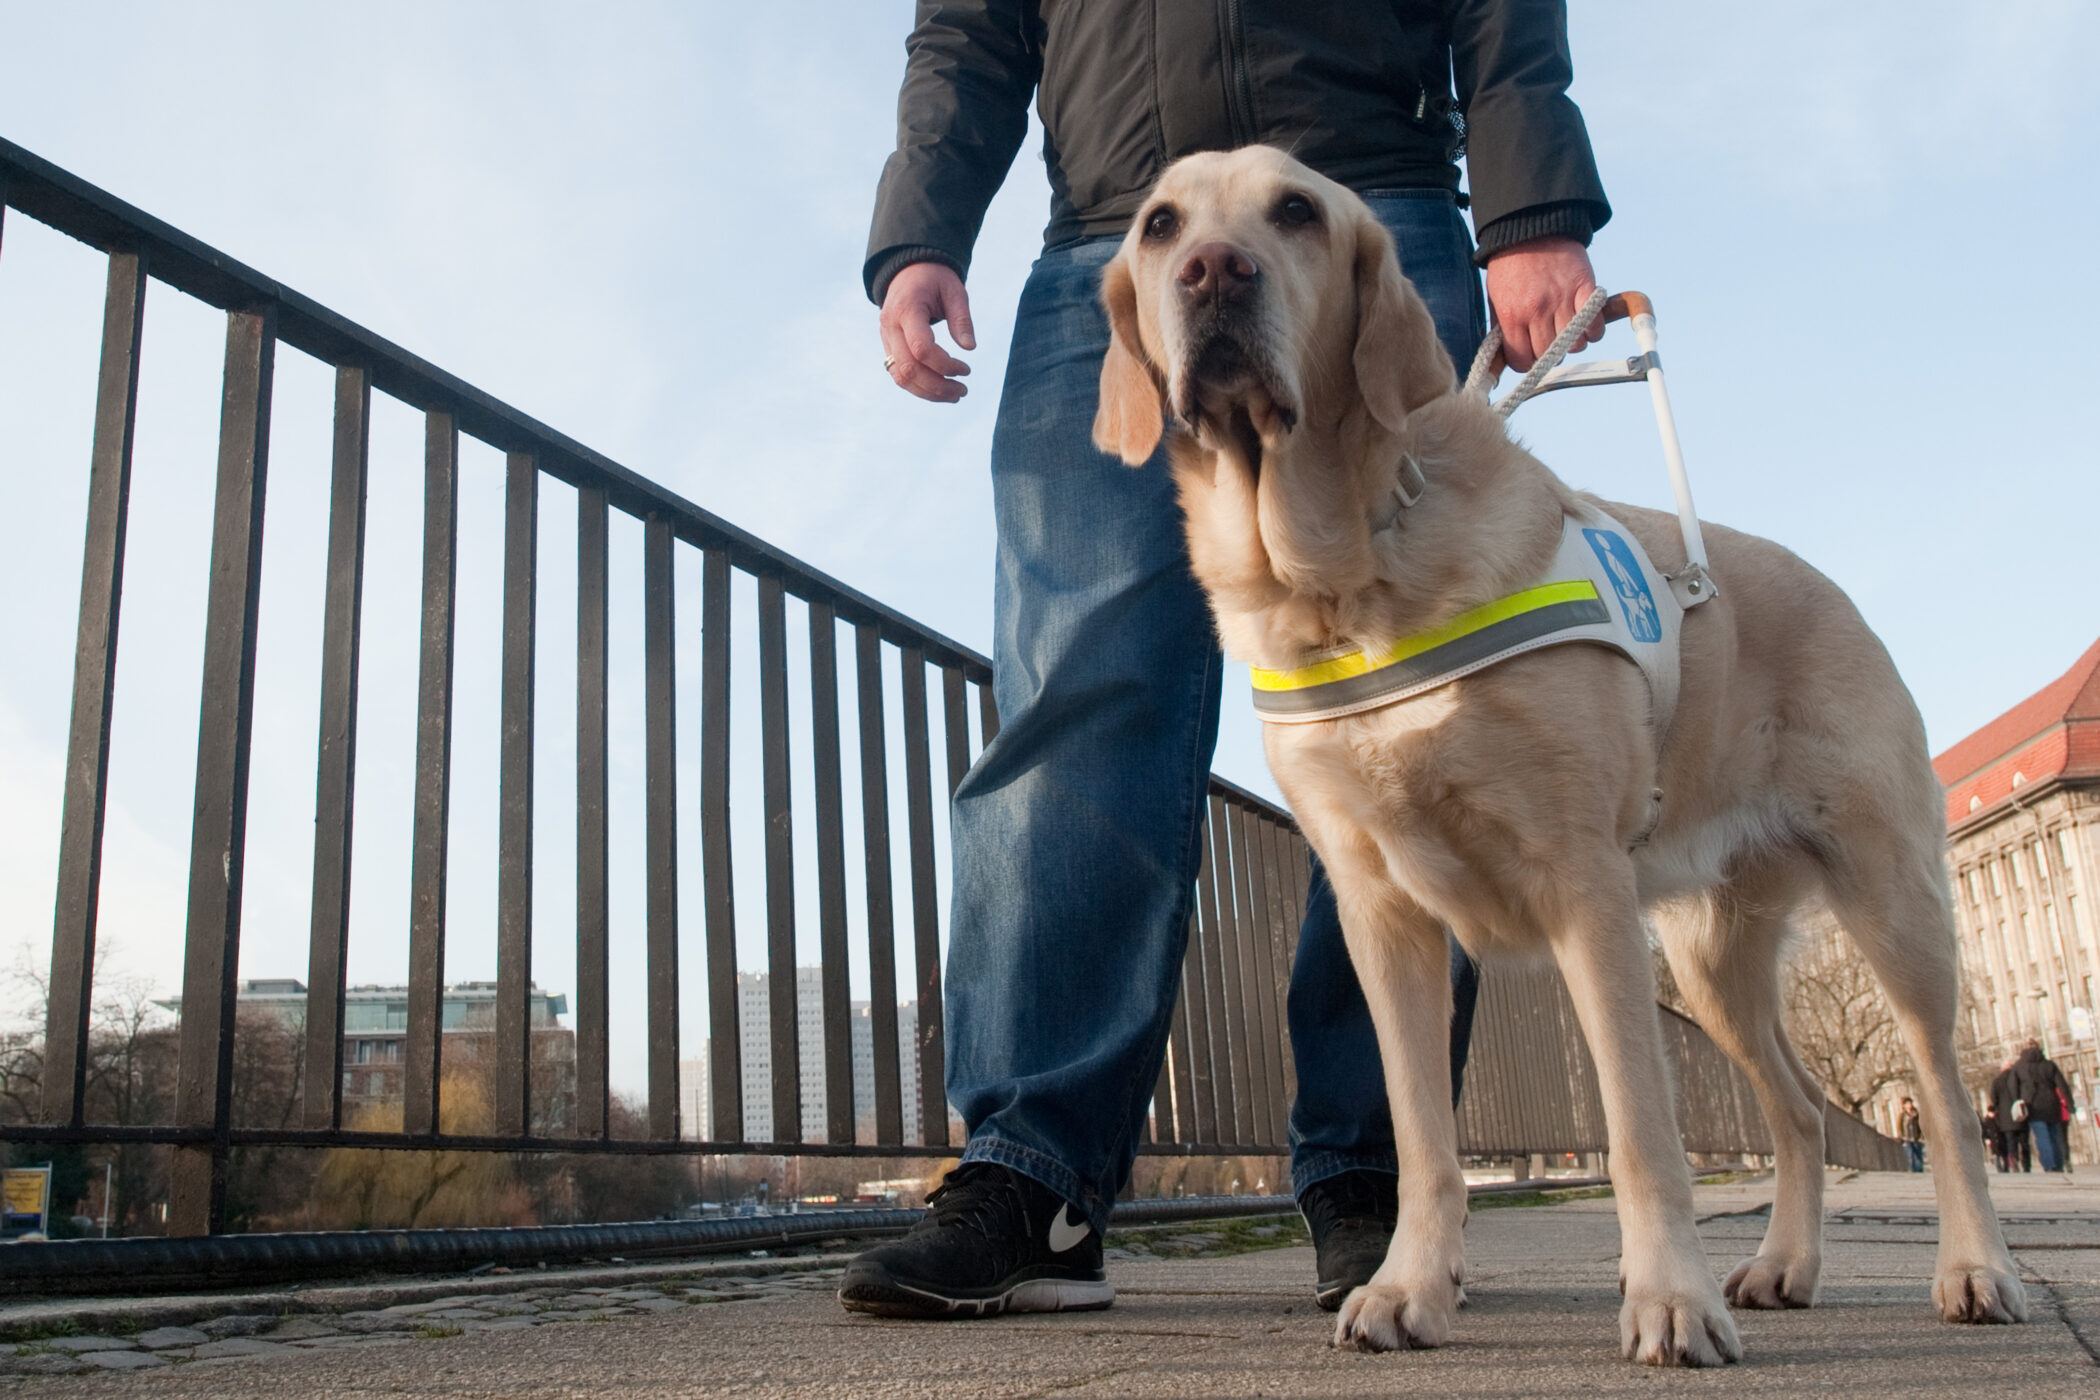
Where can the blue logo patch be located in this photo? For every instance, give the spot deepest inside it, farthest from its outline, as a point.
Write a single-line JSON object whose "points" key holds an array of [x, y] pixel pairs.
{"points": [[1642, 618]]}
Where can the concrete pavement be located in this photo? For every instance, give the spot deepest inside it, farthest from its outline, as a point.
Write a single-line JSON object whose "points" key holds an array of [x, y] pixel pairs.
{"points": [[1542, 1322]]}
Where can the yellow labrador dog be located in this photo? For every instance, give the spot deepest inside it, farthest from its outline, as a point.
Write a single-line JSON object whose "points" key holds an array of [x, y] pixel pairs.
{"points": [[1263, 327]]}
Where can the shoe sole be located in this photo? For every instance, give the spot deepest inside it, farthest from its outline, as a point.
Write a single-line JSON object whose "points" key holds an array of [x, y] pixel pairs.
{"points": [[1330, 1295], [889, 1298]]}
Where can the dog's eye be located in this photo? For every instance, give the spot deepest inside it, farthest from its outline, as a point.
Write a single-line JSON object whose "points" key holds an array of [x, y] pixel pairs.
{"points": [[1295, 211], [1162, 222]]}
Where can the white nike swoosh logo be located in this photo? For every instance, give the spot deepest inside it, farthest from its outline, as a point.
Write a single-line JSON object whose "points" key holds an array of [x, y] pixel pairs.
{"points": [[1066, 1232]]}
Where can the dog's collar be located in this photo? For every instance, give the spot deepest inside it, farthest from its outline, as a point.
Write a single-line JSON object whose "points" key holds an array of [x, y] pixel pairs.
{"points": [[1601, 587]]}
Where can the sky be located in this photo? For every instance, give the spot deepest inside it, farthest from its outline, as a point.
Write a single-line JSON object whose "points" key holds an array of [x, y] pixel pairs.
{"points": [[1867, 231]]}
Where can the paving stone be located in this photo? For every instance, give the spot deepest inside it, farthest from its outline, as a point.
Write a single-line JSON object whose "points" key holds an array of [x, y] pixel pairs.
{"points": [[459, 1315], [238, 1324], [510, 1307], [500, 1324], [658, 1304], [124, 1360], [88, 1344], [372, 1321], [160, 1338], [237, 1346], [49, 1363], [299, 1329]]}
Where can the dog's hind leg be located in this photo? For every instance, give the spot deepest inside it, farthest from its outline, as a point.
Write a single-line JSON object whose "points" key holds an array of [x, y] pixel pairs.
{"points": [[1402, 961], [1888, 888], [1725, 950], [1674, 1314]]}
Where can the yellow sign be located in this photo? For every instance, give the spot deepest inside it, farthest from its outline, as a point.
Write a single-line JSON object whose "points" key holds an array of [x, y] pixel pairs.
{"points": [[23, 1190]]}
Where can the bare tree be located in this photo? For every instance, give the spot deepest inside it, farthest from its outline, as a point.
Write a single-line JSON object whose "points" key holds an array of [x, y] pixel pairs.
{"points": [[1839, 1021]]}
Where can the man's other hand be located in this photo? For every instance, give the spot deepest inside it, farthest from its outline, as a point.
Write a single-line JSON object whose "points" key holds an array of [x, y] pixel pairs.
{"points": [[1536, 288], [919, 296]]}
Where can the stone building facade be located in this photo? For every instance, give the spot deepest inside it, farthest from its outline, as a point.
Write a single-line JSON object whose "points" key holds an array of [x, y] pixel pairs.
{"points": [[2023, 847]]}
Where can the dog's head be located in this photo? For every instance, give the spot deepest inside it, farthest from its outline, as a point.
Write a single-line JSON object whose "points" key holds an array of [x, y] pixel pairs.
{"points": [[1250, 286]]}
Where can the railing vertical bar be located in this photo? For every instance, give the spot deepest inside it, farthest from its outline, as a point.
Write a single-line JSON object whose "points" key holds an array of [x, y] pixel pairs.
{"points": [[433, 781], [955, 722], [1279, 970], [987, 712], [593, 845], [839, 1107], [725, 1048], [1254, 830], [926, 927], [1159, 1124], [72, 972], [521, 542], [1252, 969], [783, 1000], [660, 787], [1230, 1009], [875, 826], [335, 781], [1179, 1121], [1202, 1126], [218, 828]]}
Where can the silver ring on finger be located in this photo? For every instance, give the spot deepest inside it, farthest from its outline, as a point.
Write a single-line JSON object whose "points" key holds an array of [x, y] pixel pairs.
{"points": [[889, 362]]}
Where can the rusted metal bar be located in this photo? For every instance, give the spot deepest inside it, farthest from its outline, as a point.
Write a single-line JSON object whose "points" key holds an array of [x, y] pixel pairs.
{"points": [[1160, 1122], [987, 712], [1174, 1074], [839, 1106], [521, 544], [1261, 957], [1248, 925], [593, 850], [422, 1054], [955, 725], [219, 824], [660, 725], [335, 783], [70, 991], [725, 1051], [926, 923], [1201, 1122], [875, 828], [782, 1002], [1275, 997], [1221, 975]]}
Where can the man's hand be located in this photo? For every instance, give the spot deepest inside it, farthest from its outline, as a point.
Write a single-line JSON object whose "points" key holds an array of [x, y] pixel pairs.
{"points": [[920, 295], [1536, 288]]}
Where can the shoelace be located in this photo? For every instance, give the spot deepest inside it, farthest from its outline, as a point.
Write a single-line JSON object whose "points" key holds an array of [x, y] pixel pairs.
{"points": [[981, 1197]]}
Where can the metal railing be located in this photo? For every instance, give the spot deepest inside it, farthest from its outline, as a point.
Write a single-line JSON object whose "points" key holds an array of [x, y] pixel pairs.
{"points": [[1227, 1082]]}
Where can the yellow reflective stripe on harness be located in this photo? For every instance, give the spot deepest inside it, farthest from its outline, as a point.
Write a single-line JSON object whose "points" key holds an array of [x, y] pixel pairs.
{"points": [[1343, 668]]}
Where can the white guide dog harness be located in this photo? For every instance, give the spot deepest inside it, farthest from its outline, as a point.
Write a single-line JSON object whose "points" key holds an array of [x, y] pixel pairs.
{"points": [[1601, 588]]}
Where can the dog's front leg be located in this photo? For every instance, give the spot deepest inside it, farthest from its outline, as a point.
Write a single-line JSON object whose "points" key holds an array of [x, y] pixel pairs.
{"points": [[1400, 959], [1673, 1314]]}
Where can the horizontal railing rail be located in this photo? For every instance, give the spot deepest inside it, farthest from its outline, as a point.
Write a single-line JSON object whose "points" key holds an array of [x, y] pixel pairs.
{"points": [[1228, 1078]]}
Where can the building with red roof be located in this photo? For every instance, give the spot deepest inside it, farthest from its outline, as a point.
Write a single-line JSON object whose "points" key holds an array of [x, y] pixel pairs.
{"points": [[2023, 846]]}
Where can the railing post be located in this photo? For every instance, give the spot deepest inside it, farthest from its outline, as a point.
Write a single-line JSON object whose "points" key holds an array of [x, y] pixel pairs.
{"points": [[875, 828], [926, 919], [521, 542], [335, 780], [725, 1050], [72, 976], [593, 851], [218, 829], [660, 725], [839, 1107], [783, 999], [423, 1055]]}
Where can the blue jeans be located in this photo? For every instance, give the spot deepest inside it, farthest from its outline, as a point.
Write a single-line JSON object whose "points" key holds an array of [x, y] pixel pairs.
{"points": [[1075, 833], [1915, 1151]]}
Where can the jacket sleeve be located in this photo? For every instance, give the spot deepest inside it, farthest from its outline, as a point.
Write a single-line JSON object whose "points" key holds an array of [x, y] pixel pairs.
{"points": [[971, 67], [1528, 157]]}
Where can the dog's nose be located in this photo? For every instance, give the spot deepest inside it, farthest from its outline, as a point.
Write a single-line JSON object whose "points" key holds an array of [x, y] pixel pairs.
{"points": [[1216, 270]]}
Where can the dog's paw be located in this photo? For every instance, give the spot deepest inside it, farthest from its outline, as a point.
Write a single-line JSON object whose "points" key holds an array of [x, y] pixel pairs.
{"points": [[1682, 1327], [1397, 1317], [1979, 1293], [1770, 1281]]}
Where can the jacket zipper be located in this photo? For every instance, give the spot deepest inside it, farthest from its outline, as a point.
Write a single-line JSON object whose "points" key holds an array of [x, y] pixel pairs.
{"points": [[1239, 94]]}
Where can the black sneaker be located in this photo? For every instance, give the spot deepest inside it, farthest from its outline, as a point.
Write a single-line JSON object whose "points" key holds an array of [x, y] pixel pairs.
{"points": [[1351, 1217], [992, 1241]]}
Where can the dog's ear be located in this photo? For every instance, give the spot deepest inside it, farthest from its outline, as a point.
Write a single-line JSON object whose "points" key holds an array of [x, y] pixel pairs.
{"points": [[1129, 422], [1400, 363]]}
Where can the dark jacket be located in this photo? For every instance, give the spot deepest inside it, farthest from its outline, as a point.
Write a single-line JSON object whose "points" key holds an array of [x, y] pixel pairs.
{"points": [[1374, 95], [2005, 1092], [2038, 1081]]}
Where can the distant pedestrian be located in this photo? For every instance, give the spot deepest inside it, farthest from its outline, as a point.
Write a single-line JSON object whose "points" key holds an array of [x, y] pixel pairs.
{"points": [[2011, 1112], [2045, 1095], [1993, 1135], [1912, 1134]]}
